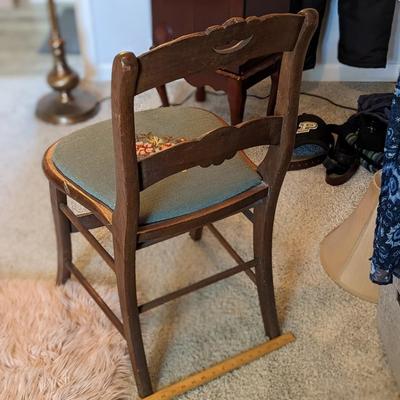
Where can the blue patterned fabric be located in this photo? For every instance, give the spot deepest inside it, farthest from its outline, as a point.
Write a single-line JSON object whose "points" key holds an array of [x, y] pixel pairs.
{"points": [[86, 157], [386, 256]]}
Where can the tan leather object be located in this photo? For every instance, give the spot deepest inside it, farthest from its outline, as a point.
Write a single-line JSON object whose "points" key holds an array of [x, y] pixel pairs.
{"points": [[345, 251]]}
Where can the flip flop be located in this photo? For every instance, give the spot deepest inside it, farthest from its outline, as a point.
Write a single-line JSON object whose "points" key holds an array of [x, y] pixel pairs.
{"points": [[312, 144]]}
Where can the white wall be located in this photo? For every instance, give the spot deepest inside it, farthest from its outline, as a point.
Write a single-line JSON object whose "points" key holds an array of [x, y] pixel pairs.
{"points": [[107, 27], [329, 69]]}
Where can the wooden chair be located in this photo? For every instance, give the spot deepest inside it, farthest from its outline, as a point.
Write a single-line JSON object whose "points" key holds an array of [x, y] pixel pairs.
{"points": [[135, 198]]}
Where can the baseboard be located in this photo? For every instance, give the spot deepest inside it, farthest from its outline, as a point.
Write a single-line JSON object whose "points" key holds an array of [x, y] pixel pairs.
{"points": [[341, 72], [326, 72]]}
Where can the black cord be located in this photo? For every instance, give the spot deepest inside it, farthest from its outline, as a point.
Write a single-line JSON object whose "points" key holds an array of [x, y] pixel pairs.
{"points": [[329, 101], [302, 93], [248, 95], [256, 96], [252, 95]]}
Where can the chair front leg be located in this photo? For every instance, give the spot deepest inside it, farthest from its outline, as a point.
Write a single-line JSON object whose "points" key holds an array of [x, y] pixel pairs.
{"points": [[63, 235], [196, 234], [262, 242], [126, 282]]}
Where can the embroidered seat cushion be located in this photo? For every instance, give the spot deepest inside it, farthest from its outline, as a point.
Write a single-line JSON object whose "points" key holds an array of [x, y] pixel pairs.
{"points": [[86, 157]]}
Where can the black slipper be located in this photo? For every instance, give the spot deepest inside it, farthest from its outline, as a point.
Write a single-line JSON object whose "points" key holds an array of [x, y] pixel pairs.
{"points": [[312, 144]]}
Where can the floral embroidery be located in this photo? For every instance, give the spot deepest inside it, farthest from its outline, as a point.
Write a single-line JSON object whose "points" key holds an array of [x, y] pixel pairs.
{"points": [[386, 257], [148, 144]]}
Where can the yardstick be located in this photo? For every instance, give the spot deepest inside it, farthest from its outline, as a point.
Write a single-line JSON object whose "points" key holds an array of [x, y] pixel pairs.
{"points": [[207, 375]]}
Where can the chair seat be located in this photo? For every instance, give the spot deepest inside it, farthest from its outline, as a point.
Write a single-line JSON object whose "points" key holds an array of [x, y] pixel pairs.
{"points": [[86, 157]]}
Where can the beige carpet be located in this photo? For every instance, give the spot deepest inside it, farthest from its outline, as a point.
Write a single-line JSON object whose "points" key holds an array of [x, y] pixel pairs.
{"points": [[54, 342]]}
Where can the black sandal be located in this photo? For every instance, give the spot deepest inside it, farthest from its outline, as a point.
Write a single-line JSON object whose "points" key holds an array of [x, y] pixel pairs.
{"points": [[312, 144], [342, 163]]}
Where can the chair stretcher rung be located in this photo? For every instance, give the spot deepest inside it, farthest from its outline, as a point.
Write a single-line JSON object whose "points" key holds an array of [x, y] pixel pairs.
{"points": [[249, 215], [89, 221], [232, 252], [198, 285], [96, 297], [89, 237]]}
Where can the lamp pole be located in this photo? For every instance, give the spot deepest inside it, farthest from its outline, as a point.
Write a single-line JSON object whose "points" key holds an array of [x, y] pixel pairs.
{"points": [[67, 104]]}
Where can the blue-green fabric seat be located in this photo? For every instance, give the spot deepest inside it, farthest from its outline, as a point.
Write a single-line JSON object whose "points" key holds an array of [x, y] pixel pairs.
{"points": [[86, 157]]}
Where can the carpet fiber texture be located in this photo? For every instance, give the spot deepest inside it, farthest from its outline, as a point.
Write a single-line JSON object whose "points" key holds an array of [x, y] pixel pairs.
{"points": [[55, 344]]}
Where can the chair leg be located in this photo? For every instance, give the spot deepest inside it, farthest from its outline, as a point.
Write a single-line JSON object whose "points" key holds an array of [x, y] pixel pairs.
{"points": [[263, 226], [196, 234], [126, 283], [63, 235], [200, 94], [237, 100], [162, 92], [274, 91]]}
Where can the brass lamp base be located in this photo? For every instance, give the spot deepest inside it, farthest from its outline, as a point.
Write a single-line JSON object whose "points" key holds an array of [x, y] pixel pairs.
{"points": [[57, 109]]}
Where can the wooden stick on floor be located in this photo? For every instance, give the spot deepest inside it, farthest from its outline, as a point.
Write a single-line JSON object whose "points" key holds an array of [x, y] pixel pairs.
{"points": [[207, 375]]}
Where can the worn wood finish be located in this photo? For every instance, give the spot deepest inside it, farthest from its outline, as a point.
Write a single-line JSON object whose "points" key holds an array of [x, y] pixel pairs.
{"points": [[96, 297], [74, 220], [126, 214], [63, 234], [132, 75], [89, 221], [249, 215], [262, 246], [196, 234], [273, 93], [231, 251], [100, 210], [273, 169], [174, 18], [210, 149], [198, 285], [199, 48], [179, 225], [162, 92]]}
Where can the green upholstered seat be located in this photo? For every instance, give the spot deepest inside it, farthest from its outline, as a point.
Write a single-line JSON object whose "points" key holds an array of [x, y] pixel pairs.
{"points": [[86, 157]]}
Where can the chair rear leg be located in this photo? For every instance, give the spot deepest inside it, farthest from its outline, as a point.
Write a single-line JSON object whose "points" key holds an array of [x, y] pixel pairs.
{"points": [[262, 242], [162, 92], [196, 234], [201, 94], [63, 235], [126, 282], [274, 91], [237, 100]]}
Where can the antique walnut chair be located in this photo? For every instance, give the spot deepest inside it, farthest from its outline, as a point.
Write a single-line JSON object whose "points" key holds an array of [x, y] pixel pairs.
{"points": [[203, 178]]}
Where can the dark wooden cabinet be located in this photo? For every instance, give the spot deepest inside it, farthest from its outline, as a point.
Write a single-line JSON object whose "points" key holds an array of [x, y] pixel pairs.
{"points": [[174, 18]]}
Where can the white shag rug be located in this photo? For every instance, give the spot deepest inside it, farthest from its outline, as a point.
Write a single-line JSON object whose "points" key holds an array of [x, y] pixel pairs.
{"points": [[55, 343]]}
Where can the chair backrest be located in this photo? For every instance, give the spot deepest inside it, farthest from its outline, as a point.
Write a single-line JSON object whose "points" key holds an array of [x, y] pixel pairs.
{"points": [[234, 42]]}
